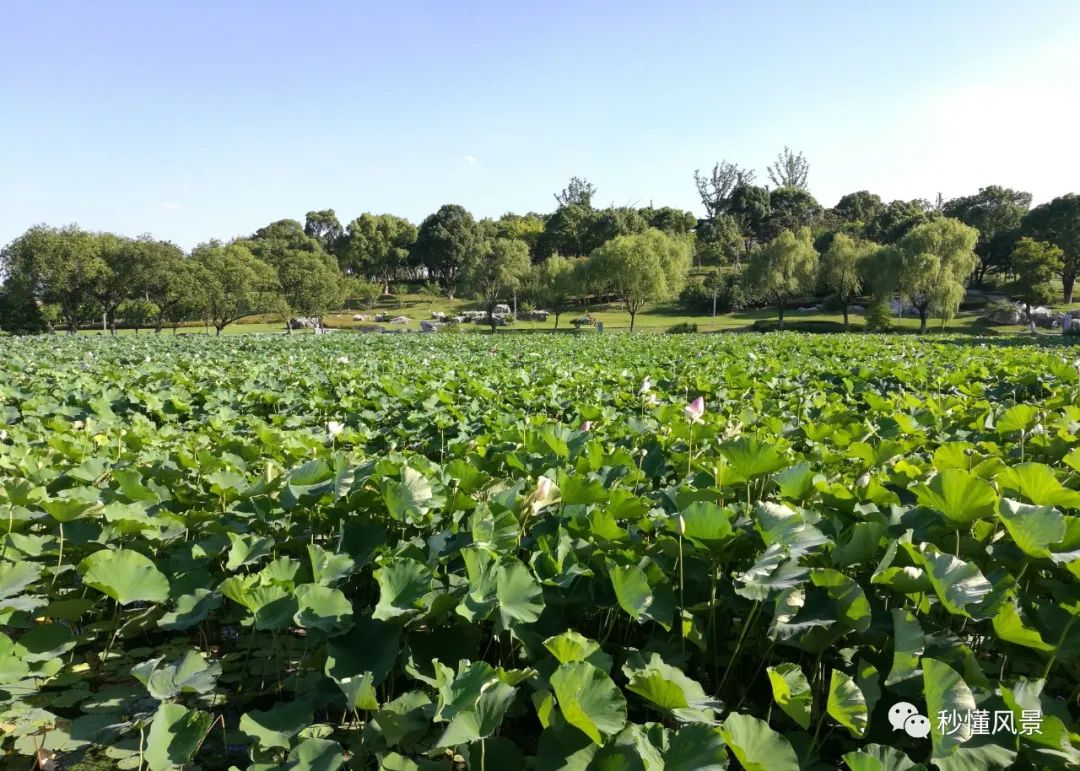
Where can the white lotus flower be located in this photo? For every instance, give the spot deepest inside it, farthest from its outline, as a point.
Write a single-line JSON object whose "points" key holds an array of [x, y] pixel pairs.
{"points": [[695, 409], [1038, 430], [334, 428], [545, 494], [864, 480], [646, 386], [342, 359]]}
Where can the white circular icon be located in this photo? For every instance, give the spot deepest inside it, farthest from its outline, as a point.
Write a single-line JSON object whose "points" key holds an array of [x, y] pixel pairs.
{"points": [[904, 716]]}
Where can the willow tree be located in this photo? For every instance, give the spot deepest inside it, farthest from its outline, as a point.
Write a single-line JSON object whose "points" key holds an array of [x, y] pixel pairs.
{"points": [[642, 268], [784, 268], [844, 268], [930, 266]]}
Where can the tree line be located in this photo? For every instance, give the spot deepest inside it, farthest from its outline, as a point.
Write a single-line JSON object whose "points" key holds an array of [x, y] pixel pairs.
{"points": [[773, 242]]}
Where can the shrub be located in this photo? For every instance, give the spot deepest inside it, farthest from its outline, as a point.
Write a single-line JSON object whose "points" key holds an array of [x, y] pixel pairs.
{"points": [[685, 327], [878, 314], [731, 295]]}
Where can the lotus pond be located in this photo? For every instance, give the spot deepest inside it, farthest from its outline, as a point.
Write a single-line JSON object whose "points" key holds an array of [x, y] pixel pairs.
{"points": [[446, 552]]}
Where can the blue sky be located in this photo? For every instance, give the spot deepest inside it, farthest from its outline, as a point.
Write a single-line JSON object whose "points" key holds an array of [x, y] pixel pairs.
{"points": [[196, 119]]}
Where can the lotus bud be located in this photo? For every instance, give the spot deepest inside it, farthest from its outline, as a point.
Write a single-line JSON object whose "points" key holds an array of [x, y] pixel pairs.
{"points": [[864, 480], [586, 425], [1038, 430], [545, 494], [682, 525], [695, 409]]}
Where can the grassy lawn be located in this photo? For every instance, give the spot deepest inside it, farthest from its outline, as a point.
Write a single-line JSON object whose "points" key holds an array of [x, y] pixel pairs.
{"points": [[654, 319]]}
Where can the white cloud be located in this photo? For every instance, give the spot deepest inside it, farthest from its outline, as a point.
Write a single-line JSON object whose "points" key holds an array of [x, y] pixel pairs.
{"points": [[170, 206], [469, 159]]}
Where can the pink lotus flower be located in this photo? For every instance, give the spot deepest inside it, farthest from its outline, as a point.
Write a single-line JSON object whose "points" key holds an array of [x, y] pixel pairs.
{"points": [[586, 425], [695, 409]]}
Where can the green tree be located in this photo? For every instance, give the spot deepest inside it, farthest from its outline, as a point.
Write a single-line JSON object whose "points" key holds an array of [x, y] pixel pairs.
{"points": [[790, 208], [784, 268], [447, 244], [522, 227], [718, 241], [751, 208], [310, 284], [579, 192], [993, 211], [606, 224], [377, 245], [641, 268], [859, 208], [565, 231], [930, 265], [324, 227], [235, 283], [717, 188], [501, 268], [186, 297], [1058, 222], [558, 281], [164, 278], [844, 266], [1036, 264], [674, 222], [59, 266], [22, 311], [361, 290], [125, 269], [896, 219], [789, 170], [136, 312]]}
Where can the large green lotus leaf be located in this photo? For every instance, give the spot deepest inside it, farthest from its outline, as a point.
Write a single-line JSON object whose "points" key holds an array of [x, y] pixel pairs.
{"points": [[13, 667], [756, 746], [46, 641], [909, 642], [958, 495], [370, 648], [316, 755], [706, 524], [1033, 528], [403, 584], [875, 757], [482, 720], [1053, 742], [1019, 417], [497, 531], [190, 674], [670, 690], [796, 483], [574, 646], [73, 503], [696, 748], [481, 567], [847, 704], [519, 594], [125, 575], [328, 568], [16, 576], [946, 692], [460, 691], [959, 585], [175, 734], [1038, 484], [791, 692], [750, 458], [275, 727], [324, 609], [564, 748], [191, 609], [1011, 628], [246, 549], [410, 497], [589, 700]]}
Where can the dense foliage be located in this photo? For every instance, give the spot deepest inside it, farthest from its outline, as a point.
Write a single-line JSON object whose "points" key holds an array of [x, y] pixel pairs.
{"points": [[446, 551]]}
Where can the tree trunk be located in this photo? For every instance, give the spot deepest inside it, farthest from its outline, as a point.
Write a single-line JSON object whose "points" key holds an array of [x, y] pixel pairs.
{"points": [[714, 305], [922, 321], [846, 323], [1067, 281], [780, 313], [633, 315], [218, 328], [557, 319]]}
